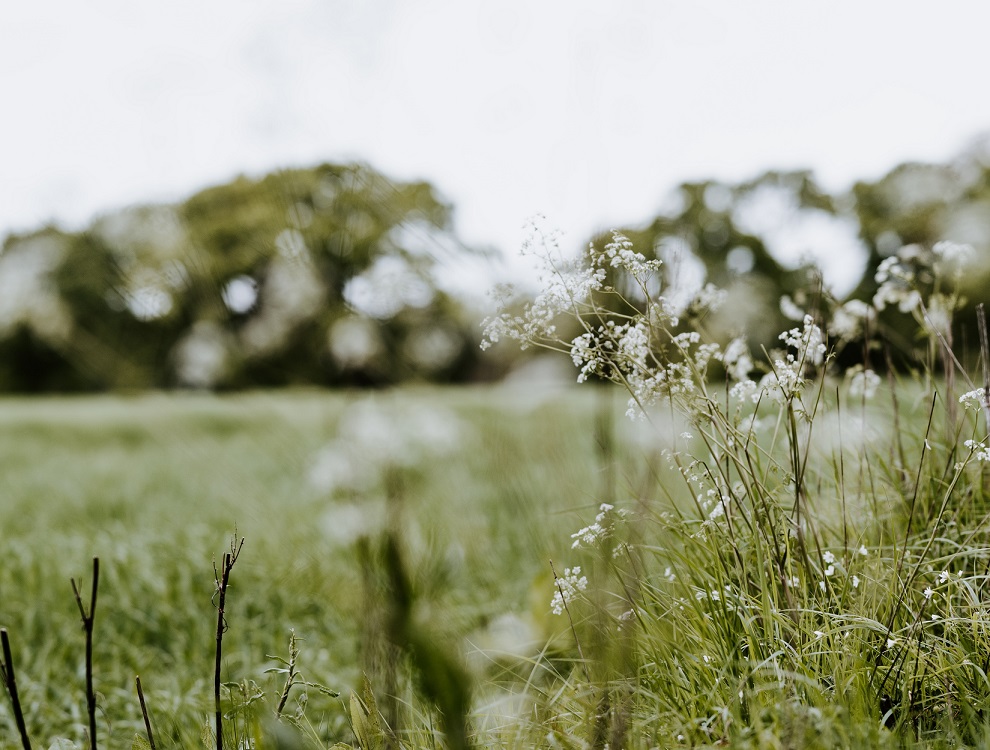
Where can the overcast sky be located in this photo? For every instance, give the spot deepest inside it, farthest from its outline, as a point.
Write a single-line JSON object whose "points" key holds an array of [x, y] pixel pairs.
{"points": [[587, 112]]}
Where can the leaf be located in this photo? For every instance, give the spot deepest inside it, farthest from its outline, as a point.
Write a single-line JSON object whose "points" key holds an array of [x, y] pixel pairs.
{"points": [[140, 743], [359, 722]]}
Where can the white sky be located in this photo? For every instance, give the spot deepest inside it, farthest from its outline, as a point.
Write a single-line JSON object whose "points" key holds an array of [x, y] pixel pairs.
{"points": [[587, 112]]}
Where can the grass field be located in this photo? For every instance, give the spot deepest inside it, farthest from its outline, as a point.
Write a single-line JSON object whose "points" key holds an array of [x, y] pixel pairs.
{"points": [[406, 539], [157, 485]]}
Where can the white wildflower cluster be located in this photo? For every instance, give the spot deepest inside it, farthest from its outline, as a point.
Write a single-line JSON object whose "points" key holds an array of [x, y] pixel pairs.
{"points": [[850, 319], [979, 451], [790, 309], [974, 400], [708, 299], [862, 382], [601, 529], [565, 287], [786, 379], [808, 341], [619, 253], [375, 435], [896, 278], [634, 345], [569, 586], [952, 257], [737, 360], [900, 274]]}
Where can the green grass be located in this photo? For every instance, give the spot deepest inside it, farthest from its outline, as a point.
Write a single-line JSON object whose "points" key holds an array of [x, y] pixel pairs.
{"points": [[432, 575], [156, 485]]}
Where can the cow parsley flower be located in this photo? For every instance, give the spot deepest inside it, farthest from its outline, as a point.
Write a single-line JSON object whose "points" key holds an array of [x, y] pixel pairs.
{"points": [[974, 400], [862, 382], [980, 452], [568, 586]]}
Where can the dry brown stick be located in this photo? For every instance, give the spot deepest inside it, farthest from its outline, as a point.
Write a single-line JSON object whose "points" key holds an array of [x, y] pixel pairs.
{"points": [[222, 580], [7, 672], [144, 712], [87, 619]]}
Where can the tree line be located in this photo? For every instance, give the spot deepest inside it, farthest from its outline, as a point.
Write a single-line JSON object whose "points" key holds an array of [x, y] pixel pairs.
{"points": [[330, 276]]}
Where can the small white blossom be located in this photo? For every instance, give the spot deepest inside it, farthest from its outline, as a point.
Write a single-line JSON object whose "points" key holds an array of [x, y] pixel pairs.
{"points": [[737, 360], [568, 587], [862, 382], [789, 309], [847, 320], [828, 558], [953, 252], [891, 642], [855, 582], [980, 452], [974, 400], [927, 593], [863, 551]]}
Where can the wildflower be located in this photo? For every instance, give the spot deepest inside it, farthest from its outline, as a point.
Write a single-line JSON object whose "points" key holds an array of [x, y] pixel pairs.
{"points": [[821, 585], [819, 634], [855, 582], [737, 360], [891, 642], [979, 451], [863, 551], [953, 253], [847, 320], [863, 382], [830, 571], [808, 341], [943, 576], [743, 390], [896, 279], [828, 557], [789, 309], [599, 530], [569, 586], [974, 400]]}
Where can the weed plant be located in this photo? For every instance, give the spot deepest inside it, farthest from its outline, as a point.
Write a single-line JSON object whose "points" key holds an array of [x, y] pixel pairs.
{"points": [[818, 576]]}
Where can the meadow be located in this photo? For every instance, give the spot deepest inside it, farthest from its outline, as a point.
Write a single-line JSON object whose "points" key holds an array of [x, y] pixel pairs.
{"points": [[772, 552], [157, 485]]}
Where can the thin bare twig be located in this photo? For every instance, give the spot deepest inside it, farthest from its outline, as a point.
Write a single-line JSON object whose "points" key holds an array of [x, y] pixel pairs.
{"points": [[7, 673], [222, 580], [144, 712], [87, 620]]}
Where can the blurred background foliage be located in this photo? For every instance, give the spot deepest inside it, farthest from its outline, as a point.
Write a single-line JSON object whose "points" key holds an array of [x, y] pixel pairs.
{"points": [[335, 276]]}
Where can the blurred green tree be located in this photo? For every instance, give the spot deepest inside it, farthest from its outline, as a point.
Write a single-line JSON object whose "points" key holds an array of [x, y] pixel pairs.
{"points": [[321, 276]]}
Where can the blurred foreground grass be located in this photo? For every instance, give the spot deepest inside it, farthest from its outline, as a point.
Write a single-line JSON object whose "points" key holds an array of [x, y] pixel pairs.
{"points": [[155, 485]]}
